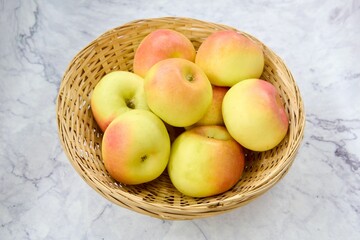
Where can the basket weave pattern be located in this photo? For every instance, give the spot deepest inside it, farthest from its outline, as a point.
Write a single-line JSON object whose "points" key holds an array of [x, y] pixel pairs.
{"points": [[81, 137]]}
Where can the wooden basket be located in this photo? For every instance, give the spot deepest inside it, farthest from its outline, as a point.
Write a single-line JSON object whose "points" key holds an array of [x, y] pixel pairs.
{"points": [[81, 137]]}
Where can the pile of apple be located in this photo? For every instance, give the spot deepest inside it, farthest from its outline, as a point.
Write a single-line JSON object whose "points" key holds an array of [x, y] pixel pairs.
{"points": [[214, 95]]}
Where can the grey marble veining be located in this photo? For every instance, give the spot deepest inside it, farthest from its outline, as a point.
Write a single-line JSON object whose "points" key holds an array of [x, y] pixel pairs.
{"points": [[41, 195]]}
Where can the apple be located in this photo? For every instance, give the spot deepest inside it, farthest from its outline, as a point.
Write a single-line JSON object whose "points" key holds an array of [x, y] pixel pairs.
{"points": [[228, 57], [159, 45], [136, 147], [116, 93], [205, 161], [254, 114], [178, 91], [214, 114]]}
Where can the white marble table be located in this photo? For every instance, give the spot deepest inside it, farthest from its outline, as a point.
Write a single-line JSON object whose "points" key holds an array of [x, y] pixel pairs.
{"points": [[41, 195]]}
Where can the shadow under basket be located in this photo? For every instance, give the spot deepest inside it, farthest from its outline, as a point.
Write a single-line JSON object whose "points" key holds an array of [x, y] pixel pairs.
{"points": [[81, 137]]}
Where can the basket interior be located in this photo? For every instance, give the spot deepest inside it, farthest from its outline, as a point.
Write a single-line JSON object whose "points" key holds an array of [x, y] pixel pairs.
{"points": [[81, 137]]}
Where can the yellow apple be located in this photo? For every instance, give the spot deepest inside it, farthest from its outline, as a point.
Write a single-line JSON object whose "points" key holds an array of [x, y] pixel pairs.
{"points": [[116, 93], [205, 161], [136, 147], [254, 114], [228, 57], [214, 114], [178, 91], [159, 45]]}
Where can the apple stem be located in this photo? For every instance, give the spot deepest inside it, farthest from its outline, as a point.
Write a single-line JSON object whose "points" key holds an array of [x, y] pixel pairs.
{"points": [[189, 77], [143, 158], [130, 103]]}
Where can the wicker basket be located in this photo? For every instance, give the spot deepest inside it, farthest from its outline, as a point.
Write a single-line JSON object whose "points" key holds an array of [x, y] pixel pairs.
{"points": [[81, 137]]}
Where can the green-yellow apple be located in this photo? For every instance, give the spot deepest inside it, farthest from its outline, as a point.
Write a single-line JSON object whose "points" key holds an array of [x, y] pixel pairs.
{"points": [[205, 161], [254, 114], [214, 114], [136, 147], [116, 93], [228, 57], [159, 45], [178, 91]]}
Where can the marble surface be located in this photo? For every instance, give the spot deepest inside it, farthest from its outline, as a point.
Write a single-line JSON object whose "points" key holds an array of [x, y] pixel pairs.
{"points": [[41, 195]]}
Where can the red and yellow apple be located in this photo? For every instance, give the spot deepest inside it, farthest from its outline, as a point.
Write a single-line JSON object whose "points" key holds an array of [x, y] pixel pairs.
{"points": [[205, 161], [136, 147], [159, 45], [254, 114], [178, 91], [116, 93], [214, 114], [228, 57]]}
